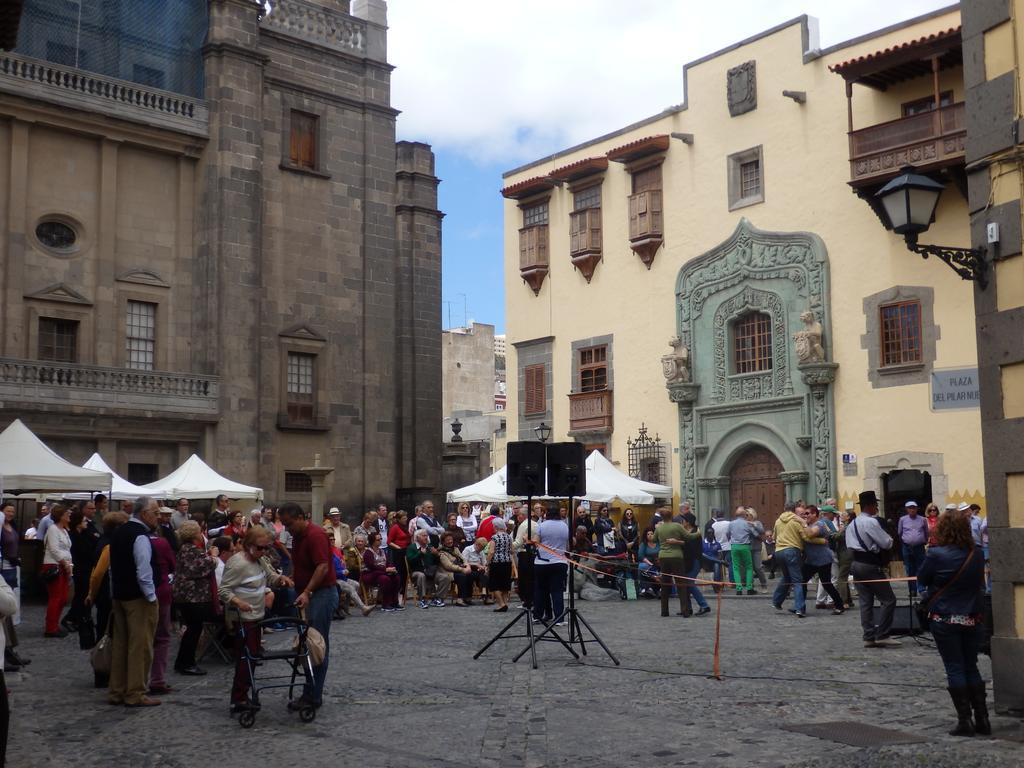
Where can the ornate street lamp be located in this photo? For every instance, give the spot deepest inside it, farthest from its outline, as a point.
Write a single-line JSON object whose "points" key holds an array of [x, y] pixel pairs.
{"points": [[543, 432], [909, 202]]}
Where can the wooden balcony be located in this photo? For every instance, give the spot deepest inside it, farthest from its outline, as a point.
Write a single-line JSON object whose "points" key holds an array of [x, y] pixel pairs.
{"points": [[929, 141], [590, 411], [533, 255], [585, 240], [645, 224]]}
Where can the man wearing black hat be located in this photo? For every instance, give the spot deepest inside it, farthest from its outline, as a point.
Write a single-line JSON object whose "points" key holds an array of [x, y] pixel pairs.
{"points": [[870, 544]]}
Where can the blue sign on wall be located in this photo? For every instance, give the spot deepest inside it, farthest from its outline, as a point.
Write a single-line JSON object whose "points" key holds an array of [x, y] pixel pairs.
{"points": [[954, 388]]}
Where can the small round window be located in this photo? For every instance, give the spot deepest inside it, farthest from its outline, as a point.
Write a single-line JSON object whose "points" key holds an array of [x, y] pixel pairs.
{"points": [[56, 235]]}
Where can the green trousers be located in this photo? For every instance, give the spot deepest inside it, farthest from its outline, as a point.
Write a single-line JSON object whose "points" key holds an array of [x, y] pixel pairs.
{"points": [[742, 567]]}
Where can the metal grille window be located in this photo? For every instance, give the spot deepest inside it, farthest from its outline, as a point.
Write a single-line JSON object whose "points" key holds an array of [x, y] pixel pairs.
{"points": [[56, 235], [303, 140], [647, 457], [594, 369], [901, 333], [750, 179], [140, 335], [535, 215], [587, 198], [297, 482], [301, 389], [752, 342], [58, 340]]}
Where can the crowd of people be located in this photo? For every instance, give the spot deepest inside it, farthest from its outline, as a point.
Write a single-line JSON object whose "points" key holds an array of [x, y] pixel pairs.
{"points": [[140, 571]]}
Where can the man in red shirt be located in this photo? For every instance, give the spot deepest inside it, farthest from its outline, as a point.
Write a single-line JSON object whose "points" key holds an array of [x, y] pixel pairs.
{"points": [[315, 584]]}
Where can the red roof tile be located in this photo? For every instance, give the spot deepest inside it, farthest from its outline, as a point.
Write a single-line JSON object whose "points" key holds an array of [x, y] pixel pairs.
{"points": [[932, 38], [580, 168], [638, 148], [527, 187]]}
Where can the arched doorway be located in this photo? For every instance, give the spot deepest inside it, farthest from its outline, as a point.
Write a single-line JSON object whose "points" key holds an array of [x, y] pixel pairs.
{"points": [[754, 482]]}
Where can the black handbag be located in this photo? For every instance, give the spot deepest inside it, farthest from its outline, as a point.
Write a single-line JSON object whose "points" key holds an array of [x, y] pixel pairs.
{"points": [[49, 573], [86, 633], [922, 607]]}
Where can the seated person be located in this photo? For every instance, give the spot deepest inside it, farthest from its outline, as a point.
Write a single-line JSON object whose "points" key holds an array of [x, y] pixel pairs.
{"points": [[475, 556], [424, 570], [376, 572], [450, 559], [648, 565], [346, 587], [458, 535]]}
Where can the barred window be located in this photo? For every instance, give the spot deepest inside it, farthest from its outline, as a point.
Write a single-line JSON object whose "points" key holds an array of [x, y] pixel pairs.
{"points": [[301, 388], [750, 178], [587, 198], [535, 215], [58, 340], [297, 482], [752, 343], [901, 332], [140, 335]]}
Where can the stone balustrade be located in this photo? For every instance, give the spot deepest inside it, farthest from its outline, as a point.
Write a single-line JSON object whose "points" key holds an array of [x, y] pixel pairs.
{"points": [[314, 23], [92, 388], [68, 86]]}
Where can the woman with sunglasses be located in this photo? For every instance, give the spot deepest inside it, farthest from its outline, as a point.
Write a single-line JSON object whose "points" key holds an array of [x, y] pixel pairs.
{"points": [[245, 589], [931, 516]]}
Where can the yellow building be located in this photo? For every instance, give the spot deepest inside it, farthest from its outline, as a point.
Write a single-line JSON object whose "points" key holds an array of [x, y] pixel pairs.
{"points": [[718, 276]]}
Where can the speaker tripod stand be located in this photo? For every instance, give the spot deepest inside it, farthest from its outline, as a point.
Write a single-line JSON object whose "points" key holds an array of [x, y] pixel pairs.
{"points": [[525, 580], [572, 617]]}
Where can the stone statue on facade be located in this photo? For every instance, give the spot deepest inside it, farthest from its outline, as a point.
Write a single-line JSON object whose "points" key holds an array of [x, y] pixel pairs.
{"points": [[808, 340], [676, 366]]}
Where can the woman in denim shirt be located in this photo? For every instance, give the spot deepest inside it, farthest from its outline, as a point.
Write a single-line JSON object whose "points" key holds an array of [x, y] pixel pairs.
{"points": [[955, 617]]}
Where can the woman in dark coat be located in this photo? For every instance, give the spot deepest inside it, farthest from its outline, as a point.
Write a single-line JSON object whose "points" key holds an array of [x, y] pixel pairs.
{"points": [[954, 576]]}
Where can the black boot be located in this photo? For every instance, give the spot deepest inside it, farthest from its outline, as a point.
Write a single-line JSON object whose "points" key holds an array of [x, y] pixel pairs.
{"points": [[13, 657], [962, 702], [982, 724]]}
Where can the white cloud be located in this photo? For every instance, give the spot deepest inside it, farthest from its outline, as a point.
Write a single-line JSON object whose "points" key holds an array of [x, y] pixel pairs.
{"points": [[507, 82]]}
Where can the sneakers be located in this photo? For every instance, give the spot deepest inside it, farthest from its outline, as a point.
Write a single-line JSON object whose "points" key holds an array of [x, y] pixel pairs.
{"points": [[424, 604], [705, 609], [386, 609], [751, 592], [437, 603], [777, 606], [798, 614], [399, 607], [838, 611]]}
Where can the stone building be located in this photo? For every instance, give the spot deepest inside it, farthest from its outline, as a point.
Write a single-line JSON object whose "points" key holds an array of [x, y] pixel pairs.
{"points": [[767, 338], [992, 75], [212, 242]]}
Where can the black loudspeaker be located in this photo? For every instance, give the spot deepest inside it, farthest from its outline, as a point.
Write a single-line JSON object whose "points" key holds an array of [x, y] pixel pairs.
{"points": [[524, 475], [904, 620], [567, 470]]}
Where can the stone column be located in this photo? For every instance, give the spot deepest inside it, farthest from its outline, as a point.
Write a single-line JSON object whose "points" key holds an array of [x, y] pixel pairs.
{"points": [[317, 478], [818, 376], [685, 394], [796, 485]]}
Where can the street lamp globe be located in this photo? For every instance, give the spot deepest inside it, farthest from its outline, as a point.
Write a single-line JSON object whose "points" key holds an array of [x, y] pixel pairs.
{"points": [[543, 432], [909, 201]]}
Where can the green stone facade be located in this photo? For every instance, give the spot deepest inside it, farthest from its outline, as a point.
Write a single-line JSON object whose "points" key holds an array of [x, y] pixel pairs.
{"points": [[787, 408]]}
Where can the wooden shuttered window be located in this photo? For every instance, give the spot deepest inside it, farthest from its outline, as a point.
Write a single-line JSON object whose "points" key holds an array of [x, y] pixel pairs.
{"points": [[645, 214], [585, 231], [594, 369], [303, 132], [533, 246], [534, 395]]}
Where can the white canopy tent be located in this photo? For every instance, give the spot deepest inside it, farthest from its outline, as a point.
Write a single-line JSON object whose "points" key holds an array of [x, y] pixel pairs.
{"points": [[195, 479], [27, 464], [605, 484], [120, 489], [491, 489]]}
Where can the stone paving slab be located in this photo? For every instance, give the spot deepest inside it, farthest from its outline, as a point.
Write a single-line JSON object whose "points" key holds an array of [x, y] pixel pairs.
{"points": [[403, 690]]}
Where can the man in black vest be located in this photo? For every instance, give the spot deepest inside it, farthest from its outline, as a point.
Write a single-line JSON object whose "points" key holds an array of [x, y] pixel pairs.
{"points": [[870, 544], [135, 610]]}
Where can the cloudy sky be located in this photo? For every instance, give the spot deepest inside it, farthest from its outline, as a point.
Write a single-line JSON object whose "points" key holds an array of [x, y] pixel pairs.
{"points": [[492, 84]]}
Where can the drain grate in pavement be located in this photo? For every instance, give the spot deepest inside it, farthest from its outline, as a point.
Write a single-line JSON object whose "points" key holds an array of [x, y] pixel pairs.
{"points": [[856, 734]]}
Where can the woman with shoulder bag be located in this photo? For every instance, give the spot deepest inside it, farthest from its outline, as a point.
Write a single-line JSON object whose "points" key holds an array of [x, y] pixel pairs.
{"points": [[56, 573], [954, 576]]}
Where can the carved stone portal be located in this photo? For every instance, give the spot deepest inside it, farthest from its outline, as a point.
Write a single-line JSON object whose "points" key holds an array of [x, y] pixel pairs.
{"points": [[741, 87]]}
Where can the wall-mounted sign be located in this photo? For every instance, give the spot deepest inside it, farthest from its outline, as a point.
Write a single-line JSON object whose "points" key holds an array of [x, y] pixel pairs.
{"points": [[954, 388]]}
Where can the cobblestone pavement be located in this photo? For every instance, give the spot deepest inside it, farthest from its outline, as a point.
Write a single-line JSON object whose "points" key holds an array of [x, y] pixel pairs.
{"points": [[403, 690]]}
